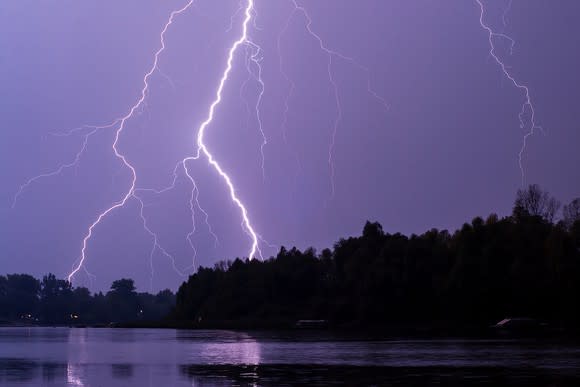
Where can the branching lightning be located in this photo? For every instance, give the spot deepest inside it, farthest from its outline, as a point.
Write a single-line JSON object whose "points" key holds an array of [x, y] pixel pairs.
{"points": [[505, 12], [286, 78], [527, 104], [254, 56], [253, 63], [331, 54], [131, 191], [156, 246], [202, 149], [193, 204], [119, 125], [60, 169]]}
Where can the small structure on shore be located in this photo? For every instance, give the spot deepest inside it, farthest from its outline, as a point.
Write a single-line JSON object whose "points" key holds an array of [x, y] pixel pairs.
{"points": [[521, 325], [311, 324]]}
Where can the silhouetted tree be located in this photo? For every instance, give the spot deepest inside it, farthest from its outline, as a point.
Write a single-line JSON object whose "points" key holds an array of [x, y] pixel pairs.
{"points": [[20, 296], [123, 286], [571, 213], [533, 201], [56, 300], [123, 300], [523, 265], [3, 297]]}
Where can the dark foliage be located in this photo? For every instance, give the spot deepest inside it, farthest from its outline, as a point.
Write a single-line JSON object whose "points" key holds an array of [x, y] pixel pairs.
{"points": [[521, 265], [23, 298]]}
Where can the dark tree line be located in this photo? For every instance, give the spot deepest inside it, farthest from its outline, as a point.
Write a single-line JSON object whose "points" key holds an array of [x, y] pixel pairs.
{"points": [[526, 264], [23, 298]]}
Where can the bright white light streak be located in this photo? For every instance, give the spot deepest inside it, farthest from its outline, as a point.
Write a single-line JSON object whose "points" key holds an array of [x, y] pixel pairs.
{"points": [[203, 149], [122, 121], [527, 104]]}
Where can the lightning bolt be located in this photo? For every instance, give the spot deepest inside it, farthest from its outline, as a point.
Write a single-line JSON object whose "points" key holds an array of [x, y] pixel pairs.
{"points": [[527, 104], [60, 169], [156, 246], [253, 61], [505, 12], [286, 77], [254, 56], [132, 193], [122, 121], [193, 204], [202, 149], [233, 17], [331, 54]]}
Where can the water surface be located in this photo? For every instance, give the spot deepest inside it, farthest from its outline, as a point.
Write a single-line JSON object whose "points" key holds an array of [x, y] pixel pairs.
{"points": [[156, 357]]}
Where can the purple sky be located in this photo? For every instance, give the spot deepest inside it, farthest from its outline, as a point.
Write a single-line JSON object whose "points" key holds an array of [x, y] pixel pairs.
{"points": [[444, 152]]}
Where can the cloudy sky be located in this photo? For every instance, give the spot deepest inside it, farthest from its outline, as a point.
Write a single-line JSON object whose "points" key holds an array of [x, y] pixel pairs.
{"points": [[441, 150]]}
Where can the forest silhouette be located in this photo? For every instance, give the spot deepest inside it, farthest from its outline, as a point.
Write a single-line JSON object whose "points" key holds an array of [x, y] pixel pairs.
{"points": [[52, 301], [525, 264]]}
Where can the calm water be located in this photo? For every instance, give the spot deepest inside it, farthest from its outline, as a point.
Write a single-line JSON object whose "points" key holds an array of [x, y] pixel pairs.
{"points": [[151, 357]]}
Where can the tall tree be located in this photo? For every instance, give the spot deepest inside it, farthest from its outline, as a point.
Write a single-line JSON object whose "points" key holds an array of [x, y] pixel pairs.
{"points": [[571, 213], [56, 298], [534, 202], [123, 300], [21, 296]]}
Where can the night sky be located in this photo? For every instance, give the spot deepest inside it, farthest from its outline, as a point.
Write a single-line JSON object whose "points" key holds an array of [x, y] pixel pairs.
{"points": [[444, 151]]}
